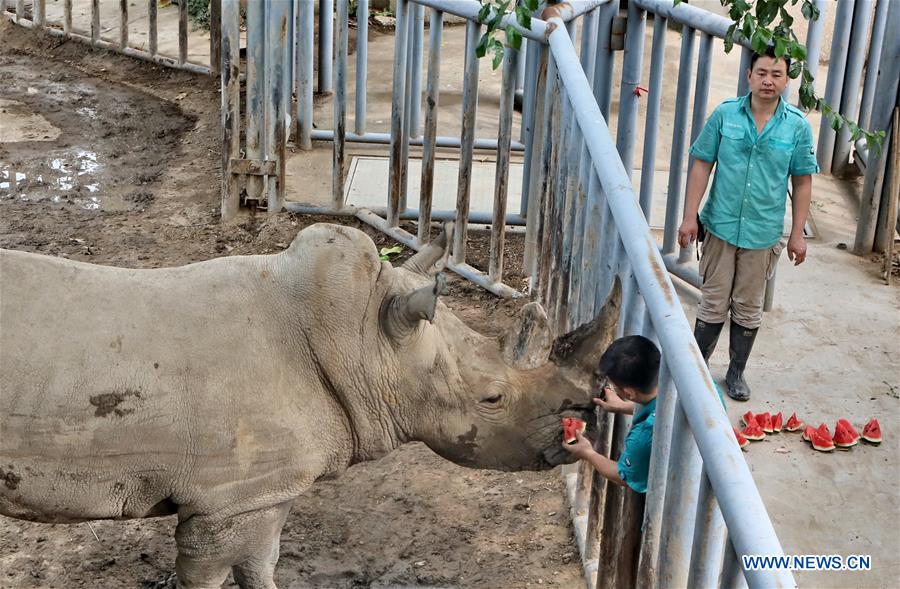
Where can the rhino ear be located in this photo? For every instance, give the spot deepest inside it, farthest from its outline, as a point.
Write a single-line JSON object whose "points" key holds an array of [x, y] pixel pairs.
{"points": [[433, 256], [582, 347], [400, 314], [527, 345]]}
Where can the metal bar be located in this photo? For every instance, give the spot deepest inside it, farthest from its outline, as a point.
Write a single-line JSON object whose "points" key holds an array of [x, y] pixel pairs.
{"points": [[682, 103], [468, 272], [732, 572], [612, 511], [577, 262], [256, 92], [648, 571], [730, 477], [571, 217], [123, 23], [397, 116], [651, 122], [629, 543], [95, 19], [553, 140], [814, 38], [469, 9], [67, 16], [501, 175], [326, 42], [629, 99], [152, 28], [834, 87], [693, 17], [20, 17], [385, 138], [558, 196], [407, 109], [856, 55], [743, 87], [532, 57], [467, 141], [873, 61], [40, 12], [278, 87], [305, 24], [709, 538], [436, 26], [362, 64], [597, 498], [231, 105], [415, 69], [475, 217], [682, 271], [590, 241], [588, 50], [182, 32], [535, 157], [340, 103], [603, 61], [215, 37]]}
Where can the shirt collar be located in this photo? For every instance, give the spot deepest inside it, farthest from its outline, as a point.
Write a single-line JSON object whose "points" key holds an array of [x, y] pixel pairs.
{"points": [[780, 110], [644, 411]]}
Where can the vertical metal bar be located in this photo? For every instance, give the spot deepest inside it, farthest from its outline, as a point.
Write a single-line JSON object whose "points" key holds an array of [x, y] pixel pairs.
{"points": [[629, 99], [326, 41], [834, 87], [629, 543], [709, 538], [182, 32], [535, 158], [680, 509], [533, 54], [603, 62], [873, 62], [152, 29], [520, 66], [95, 19], [340, 104], [436, 26], [412, 10], [569, 220], [256, 93], [582, 209], [20, 15], [588, 50], [231, 105], [67, 16], [590, 242], [362, 64], [555, 225], [215, 37], [546, 175], [732, 571], [597, 499], [415, 87], [814, 38], [277, 65], [856, 55], [679, 134], [743, 86], [305, 24], [612, 512], [398, 102], [651, 122], [648, 565], [467, 142], [123, 23], [40, 12], [501, 175]]}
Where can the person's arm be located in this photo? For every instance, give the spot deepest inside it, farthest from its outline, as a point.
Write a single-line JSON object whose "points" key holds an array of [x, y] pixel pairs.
{"points": [[698, 179], [613, 403], [802, 195], [583, 450]]}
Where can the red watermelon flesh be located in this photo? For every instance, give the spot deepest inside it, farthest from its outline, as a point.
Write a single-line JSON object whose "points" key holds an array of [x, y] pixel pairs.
{"points": [[793, 424], [777, 422], [821, 439], [808, 433], [748, 418], [754, 432], [844, 434], [765, 422], [741, 440], [571, 425], [872, 432]]}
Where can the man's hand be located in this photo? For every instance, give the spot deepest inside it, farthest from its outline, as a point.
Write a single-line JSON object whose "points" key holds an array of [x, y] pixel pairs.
{"points": [[796, 248], [613, 403], [687, 233], [581, 449]]}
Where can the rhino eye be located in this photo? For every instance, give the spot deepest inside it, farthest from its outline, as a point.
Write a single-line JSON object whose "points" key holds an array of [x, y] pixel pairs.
{"points": [[493, 399]]}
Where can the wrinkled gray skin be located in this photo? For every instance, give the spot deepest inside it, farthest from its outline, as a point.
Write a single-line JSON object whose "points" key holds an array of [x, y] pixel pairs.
{"points": [[220, 391]]}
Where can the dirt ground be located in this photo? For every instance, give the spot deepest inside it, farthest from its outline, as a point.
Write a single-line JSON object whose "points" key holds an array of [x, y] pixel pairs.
{"points": [[116, 162]]}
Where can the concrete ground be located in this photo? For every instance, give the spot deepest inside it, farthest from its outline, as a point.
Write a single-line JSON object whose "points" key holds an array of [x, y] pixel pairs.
{"points": [[828, 350]]}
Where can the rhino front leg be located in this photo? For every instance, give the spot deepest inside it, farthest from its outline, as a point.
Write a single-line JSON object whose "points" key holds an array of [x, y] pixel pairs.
{"points": [[209, 546]]}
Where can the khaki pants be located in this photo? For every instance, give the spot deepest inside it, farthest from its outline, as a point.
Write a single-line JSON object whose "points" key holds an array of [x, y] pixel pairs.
{"points": [[734, 279]]}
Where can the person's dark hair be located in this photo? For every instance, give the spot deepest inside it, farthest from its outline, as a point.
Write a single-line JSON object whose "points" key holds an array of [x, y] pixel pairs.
{"points": [[632, 361], [770, 52]]}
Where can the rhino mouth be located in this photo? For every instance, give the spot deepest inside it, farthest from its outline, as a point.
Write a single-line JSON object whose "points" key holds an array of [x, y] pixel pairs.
{"points": [[553, 454]]}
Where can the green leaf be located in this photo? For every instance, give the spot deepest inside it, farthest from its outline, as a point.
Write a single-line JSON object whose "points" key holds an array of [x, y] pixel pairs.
{"points": [[798, 51], [484, 13], [807, 10], [729, 38], [532, 5], [523, 17], [786, 19], [796, 68], [498, 56], [481, 49], [781, 48], [749, 28], [836, 122], [758, 42], [513, 37], [387, 252], [677, 2]]}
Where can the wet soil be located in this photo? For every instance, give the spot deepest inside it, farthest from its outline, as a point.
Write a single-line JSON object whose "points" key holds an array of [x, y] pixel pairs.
{"points": [[119, 164]]}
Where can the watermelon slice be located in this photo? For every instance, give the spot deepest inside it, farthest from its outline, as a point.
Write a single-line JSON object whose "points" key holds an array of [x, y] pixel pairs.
{"points": [[748, 418], [844, 434], [793, 424], [821, 439], [872, 432], [765, 422], [777, 422], [808, 432], [753, 432], [741, 440], [571, 425]]}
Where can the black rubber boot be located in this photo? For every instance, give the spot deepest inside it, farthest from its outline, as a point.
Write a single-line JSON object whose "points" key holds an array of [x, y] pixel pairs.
{"points": [[707, 336], [741, 344]]}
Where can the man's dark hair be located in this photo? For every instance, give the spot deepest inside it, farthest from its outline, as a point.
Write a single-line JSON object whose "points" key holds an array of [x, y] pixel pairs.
{"points": [[770, 52], [632, 361]]}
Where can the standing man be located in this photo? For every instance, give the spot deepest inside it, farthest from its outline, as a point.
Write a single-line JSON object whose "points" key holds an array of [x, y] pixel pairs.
{"points": [[756, 142]]}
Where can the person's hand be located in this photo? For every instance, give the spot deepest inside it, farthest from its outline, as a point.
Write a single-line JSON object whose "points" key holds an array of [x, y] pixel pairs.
{"points": [[581, 449], [687, 233], [796, 248], [612, 402]]}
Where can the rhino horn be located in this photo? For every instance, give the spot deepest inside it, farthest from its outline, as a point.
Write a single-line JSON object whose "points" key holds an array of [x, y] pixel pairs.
{"points": [[401, 314], [436, 251], [582, 347], [528, 345]]}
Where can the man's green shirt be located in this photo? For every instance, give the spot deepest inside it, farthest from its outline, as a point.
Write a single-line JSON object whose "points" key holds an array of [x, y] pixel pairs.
{"points": [[746, 204]]}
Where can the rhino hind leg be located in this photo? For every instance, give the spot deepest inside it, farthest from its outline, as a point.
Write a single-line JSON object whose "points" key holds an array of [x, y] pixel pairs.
{"points": [[209, 547]]}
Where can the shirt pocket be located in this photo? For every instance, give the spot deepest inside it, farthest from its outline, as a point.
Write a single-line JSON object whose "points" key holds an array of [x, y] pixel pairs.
{"points": [[782, 145]]}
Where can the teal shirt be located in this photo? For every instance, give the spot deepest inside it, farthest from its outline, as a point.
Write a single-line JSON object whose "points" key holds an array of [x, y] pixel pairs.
{"points": [[746, 204], [634, 463]]}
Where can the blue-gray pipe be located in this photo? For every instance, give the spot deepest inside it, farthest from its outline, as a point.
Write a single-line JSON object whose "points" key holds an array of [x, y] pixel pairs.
{"points": [[398, 102], [833, 88], [305, 73], [873, 62], [362, 64], [856, 55], [651, 122], [326, 42], [467, 141]]}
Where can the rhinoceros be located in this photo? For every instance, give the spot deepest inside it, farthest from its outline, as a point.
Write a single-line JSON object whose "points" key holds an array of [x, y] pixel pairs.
{"points": [[221, 390]]}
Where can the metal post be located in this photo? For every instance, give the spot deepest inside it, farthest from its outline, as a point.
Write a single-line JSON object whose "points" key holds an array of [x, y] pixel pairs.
{"points": [[362, 64], [743, 86], [470, 102], [123, 23], [588, 51], [532, 60], [709, 538], [231, 105], [415, 70], [398, 103], [95, 18], [436, 26], [326, 32], [215, 37], [732, 571], [629, 99], [305, 23], [152, 29], [679, 134], [651, 123], [257, 90], [873, 62], [182, 33], [856, 55], [277, 95], [814, 38], [40, 12], [340, 104], [603, 62], [501, 175], [834, 87], [535, 157], [612, 511], [67, 15]]}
